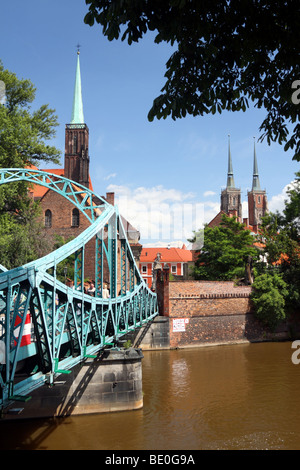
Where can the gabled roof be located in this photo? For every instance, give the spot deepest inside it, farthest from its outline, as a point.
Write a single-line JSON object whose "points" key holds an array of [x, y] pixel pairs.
{"points": [[168, 255]]}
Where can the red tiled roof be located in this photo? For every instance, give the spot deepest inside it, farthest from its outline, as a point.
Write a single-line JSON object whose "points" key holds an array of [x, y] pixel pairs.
{"points": [[40, 191], [173, 255]]}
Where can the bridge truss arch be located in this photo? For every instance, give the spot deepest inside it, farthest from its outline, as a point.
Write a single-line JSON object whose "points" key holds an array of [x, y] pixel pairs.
{"points": [[66, 324]]}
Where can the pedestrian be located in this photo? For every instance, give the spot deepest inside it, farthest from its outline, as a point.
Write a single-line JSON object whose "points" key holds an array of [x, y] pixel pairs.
{"points": [[105, 292], [91, 289]]}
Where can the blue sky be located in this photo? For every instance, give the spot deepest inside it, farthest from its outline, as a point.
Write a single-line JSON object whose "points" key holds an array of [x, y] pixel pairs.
{"points": [[157, 168]]}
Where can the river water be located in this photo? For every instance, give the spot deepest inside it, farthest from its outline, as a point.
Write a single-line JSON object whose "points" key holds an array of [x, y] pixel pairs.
{"points": [[244, 396]]}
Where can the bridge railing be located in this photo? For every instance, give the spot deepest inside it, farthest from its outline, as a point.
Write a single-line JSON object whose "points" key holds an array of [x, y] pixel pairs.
{"points": [[48, 327]]}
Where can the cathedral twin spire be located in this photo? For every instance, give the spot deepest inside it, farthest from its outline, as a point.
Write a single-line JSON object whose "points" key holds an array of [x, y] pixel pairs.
{"points": [[230, 177], [231, 196]]}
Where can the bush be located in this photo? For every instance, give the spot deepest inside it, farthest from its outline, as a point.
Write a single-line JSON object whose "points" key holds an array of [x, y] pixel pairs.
{"points": [[269, 298]]}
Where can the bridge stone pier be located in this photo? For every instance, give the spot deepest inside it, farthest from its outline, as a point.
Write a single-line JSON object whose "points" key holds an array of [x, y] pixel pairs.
{"points": [[110, 382]]}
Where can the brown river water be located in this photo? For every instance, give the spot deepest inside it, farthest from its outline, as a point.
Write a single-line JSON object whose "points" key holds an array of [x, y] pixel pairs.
{"points": [[244, 396]]}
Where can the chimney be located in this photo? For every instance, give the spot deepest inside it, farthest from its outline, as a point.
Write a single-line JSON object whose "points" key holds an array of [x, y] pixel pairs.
{"points": [[110, 197]]}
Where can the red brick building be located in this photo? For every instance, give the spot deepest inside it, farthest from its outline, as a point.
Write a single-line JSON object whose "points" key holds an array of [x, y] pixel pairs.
{"points": [[61, 217]]}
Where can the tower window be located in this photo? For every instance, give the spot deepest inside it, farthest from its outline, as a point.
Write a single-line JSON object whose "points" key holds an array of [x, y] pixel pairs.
{"points": [[233, 201], [75, 218], [48, 218], [75, 144], [258, 199]]}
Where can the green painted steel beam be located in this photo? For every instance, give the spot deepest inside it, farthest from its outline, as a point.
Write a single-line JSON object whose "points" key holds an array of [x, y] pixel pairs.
{"points": [[67, 325]]}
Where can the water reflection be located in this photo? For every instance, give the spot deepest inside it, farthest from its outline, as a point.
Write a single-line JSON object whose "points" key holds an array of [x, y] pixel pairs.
{"points": [[229, 397], [180, 379]]}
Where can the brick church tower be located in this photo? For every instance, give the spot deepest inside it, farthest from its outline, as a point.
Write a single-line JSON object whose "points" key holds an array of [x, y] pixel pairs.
{"points": [[257, 198], [76, 166], [231, 196]]}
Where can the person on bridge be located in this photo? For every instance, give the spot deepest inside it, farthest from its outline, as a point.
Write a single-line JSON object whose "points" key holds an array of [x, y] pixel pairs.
{"points": [[91, 289], [105, 292]]}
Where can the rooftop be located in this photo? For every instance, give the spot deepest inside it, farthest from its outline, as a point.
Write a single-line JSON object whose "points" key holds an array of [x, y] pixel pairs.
{"points": [[179, 255]]}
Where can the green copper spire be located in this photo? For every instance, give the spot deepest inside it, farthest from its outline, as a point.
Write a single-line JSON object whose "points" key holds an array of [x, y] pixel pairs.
{"points": [[77, 112], [230, 179], [255, 182]]}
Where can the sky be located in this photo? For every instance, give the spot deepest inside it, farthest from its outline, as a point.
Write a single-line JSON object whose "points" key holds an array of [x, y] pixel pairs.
{"points": [[167, 175]]}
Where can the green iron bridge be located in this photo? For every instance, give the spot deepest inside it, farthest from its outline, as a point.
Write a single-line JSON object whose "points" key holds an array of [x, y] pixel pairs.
{"points": [[66, 324]]}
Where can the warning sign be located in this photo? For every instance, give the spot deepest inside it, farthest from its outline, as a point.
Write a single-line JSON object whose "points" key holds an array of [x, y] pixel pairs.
{"points": [[179, 324]]}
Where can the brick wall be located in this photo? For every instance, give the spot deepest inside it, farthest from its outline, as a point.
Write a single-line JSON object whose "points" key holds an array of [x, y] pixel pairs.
{"points": [[211, 312]]}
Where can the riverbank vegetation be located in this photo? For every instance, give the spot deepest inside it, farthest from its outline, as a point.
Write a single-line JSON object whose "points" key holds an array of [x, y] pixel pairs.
{"points": [[280, 239]]}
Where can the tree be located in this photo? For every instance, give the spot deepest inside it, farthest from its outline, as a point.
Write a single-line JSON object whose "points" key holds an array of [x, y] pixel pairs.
{"points": [[280, 237], [225, 251], [226, 53], [22, 239], [292, 208], [24, 133], [24, 136], [269, 293]]}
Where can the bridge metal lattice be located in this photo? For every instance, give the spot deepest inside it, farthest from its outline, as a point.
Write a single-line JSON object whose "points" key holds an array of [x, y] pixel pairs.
{"points": [[68, 325]]}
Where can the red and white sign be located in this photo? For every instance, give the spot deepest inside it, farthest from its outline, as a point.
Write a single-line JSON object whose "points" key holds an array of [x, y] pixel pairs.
{"points": [[26, 338]]}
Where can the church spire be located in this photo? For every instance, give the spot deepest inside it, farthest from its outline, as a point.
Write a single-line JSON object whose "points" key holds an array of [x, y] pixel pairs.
{"points": [[77, 112], [230, 179], [255, 181], [77, 139]]}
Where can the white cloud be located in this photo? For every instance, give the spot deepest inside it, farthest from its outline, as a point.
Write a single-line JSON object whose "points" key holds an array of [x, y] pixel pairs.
{"points": [[277, 202], [245, 209], [160, 213], [110, 176], [169, 216], [209, 193]]}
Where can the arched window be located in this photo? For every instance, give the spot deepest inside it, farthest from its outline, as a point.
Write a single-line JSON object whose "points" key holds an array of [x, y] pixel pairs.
{"points": [[48, 218], [75, 217]]}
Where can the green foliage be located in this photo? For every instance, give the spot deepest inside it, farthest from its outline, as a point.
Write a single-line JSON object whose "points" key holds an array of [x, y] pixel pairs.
{"points": [[24, 133], [65, 269], [24, 136], [22, 237], [280, 236], [225, 251], [269, 298], [292, 208], [127, 344], [225, 54]]}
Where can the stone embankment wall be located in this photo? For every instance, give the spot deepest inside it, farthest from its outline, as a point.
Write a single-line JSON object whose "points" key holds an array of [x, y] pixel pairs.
{"points": [[198, 313], [209, 312], [206, 312]]}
